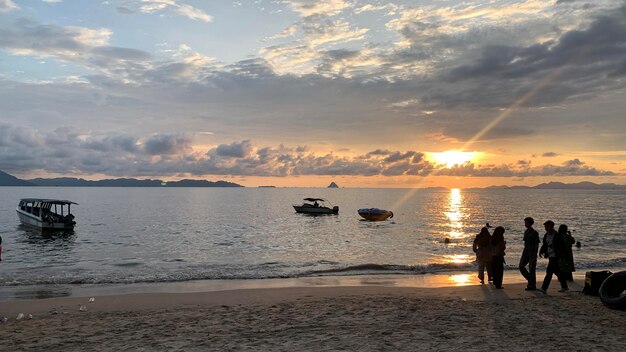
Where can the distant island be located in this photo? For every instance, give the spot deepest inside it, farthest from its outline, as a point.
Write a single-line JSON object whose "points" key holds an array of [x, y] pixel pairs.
{"points": [[10, 180], [561, 185], [333, 185]]}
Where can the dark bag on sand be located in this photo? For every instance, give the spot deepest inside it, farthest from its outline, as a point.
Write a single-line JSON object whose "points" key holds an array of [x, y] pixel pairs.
{"points": [[593, 281]]}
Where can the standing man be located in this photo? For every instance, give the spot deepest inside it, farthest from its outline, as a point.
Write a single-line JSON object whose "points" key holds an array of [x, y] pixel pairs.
{"points": [[529, 255], [553, 248]]}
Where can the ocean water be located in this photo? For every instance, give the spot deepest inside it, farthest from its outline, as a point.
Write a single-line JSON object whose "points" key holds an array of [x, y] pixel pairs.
{"points": [[132, 235]]}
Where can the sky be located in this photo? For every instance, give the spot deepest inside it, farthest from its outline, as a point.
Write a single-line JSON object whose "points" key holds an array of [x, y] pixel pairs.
{"points": [[302, 93]]}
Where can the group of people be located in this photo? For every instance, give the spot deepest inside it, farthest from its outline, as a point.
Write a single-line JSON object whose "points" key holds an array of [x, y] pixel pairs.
{"points": [[556, 246]]}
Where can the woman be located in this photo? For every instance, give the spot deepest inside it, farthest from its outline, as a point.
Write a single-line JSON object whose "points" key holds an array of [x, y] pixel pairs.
{"points": [[498, 245], [566, 262], [482, 249]]}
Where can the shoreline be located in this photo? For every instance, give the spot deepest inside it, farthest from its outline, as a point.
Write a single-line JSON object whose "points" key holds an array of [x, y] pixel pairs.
{"points": [[426, 280]]}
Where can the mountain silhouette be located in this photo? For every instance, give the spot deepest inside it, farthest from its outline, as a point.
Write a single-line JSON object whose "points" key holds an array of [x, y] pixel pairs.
{"points": [[9, 180]]}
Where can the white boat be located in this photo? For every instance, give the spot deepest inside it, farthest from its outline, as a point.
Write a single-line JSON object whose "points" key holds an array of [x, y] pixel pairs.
{"points": [[316, 206], [375, 214], [46, 214]]}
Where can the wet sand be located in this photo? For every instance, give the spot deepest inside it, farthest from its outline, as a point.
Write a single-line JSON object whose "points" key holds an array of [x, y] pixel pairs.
{"points": [[364, 318]]}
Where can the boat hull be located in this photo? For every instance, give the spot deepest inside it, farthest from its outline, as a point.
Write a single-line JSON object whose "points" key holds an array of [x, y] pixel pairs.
{"points": [[316, 210], [35, 222], [374, 214]]}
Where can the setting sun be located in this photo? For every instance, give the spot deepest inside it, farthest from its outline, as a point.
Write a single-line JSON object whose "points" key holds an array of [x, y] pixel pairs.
{"points": [[450, 158]]}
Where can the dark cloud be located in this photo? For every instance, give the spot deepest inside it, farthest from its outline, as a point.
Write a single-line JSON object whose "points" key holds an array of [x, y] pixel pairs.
{"points": [[549, 154], [69, 151], [234, 150], [397, 156], [569, 168], [124, 10], [66, 151], [121, 53], [164, 144], [580, 61]]}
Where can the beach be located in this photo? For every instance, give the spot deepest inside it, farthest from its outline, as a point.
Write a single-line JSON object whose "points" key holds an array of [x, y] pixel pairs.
{"points": [[363, 318]]}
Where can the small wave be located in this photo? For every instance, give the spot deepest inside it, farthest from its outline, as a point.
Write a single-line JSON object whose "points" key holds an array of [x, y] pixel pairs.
{"points": [[131, 264], [327, 262], [372, 268], [613, 263], [267, 270]]}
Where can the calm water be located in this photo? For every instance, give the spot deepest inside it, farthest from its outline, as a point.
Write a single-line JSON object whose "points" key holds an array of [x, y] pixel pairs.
{"points": [[126, 235]]}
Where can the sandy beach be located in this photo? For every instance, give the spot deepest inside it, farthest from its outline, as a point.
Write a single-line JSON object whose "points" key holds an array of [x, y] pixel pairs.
{"points": [[363, 318]]}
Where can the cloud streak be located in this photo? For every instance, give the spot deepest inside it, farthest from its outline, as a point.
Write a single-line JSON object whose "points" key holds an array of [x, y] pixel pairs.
{"points": [[151, 6], [7, 5]]}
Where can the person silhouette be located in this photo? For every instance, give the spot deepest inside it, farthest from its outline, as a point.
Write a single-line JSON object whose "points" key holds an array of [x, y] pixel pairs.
{"points": [[498, 245], [566, 262], [553, 250], [482, 248], [529, 254]]}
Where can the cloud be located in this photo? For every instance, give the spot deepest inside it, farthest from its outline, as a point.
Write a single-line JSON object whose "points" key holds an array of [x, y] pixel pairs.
{"points": [[549, 154], [81, 45], [164, 144], [326, 80], [577, 63], [573, 167], [304, 54], [124, 10], [234, 150], [308, 8], [7, 5], [390, 8], [70, 151], [52, 1], [150, 6]]}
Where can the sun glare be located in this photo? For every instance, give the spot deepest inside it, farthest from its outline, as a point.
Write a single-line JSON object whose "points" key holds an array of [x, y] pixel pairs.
{"points": [[449, 158]]}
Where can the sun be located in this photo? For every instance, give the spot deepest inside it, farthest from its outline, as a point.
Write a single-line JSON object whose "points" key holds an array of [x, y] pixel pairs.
{"points": [[450, 158]]}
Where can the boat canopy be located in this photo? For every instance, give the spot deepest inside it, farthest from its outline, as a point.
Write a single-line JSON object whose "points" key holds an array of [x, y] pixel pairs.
{"points": [[50, 201], [314, 199]]}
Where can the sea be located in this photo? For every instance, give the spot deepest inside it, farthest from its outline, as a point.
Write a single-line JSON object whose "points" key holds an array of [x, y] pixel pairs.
{"points": [[148, 235]]}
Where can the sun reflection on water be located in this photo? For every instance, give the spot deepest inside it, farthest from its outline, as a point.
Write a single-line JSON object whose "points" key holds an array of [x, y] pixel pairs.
{"points": [[461, 279], [457, 258], [455, 214]]}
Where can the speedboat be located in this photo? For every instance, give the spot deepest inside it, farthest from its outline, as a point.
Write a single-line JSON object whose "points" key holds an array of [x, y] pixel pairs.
{"points": [[46, 214], [375, 214], [316, 206]]}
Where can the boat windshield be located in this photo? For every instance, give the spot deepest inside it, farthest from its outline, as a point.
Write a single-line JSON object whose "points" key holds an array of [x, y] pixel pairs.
{"points": [[315, 202], [46, 207]]}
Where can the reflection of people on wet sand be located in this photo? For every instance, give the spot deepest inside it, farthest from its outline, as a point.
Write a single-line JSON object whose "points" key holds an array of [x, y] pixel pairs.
{"points": [[553, 249], [498, 245], [529, 254], [566, 262], [482, 249]]}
